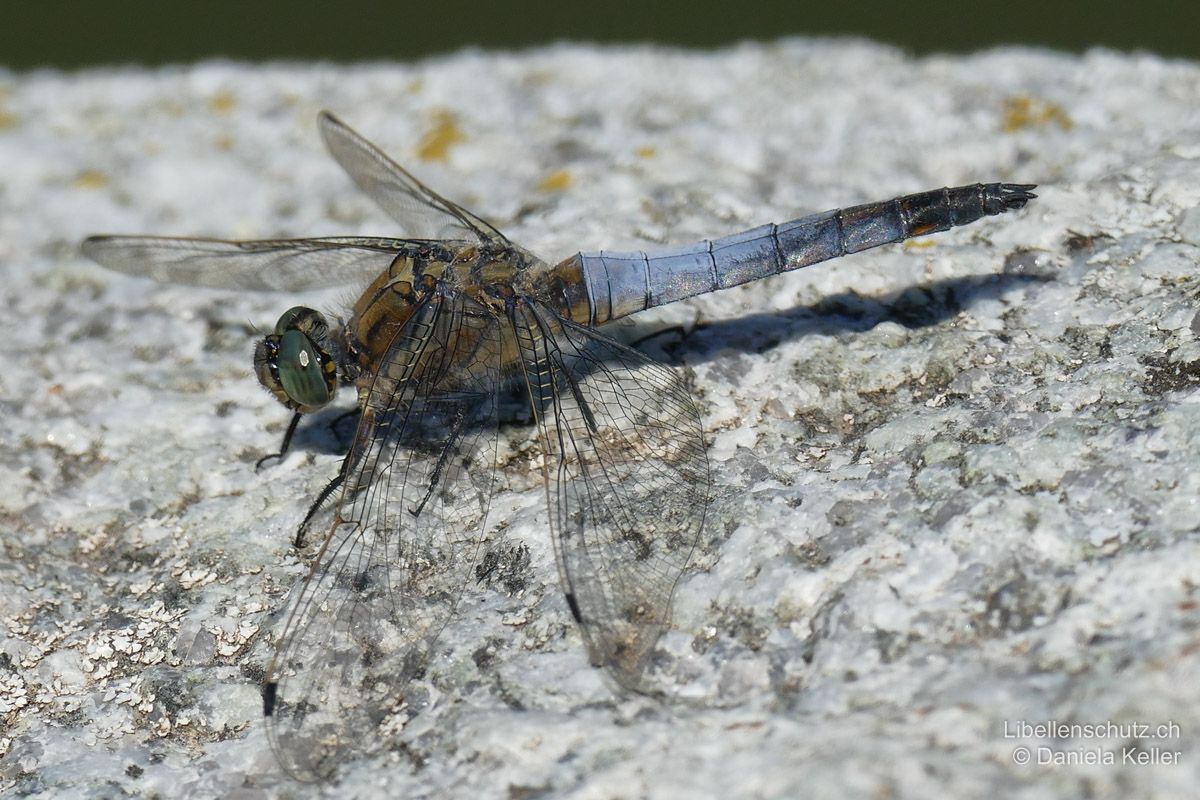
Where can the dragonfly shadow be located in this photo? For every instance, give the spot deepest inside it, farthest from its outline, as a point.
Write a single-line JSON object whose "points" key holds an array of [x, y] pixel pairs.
{"points": [[326, 432], [330, 431], [916, 306]]}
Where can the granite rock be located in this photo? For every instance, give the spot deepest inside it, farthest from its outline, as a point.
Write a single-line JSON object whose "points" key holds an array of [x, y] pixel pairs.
{"points": [[957, 484]]}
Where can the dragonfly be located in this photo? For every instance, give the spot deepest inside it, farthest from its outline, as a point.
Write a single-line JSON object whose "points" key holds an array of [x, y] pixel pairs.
{"points": [[455, 318]]}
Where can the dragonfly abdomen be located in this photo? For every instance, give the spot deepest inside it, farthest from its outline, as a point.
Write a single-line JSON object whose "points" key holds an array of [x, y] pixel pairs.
{"points": [[622, 283]]}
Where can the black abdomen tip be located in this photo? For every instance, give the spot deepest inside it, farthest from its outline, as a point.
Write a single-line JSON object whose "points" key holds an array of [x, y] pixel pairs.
{"points": [[1001, 197]]}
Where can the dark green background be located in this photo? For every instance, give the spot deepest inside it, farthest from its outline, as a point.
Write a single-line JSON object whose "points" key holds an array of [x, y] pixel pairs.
{"points": [[71, 34]]}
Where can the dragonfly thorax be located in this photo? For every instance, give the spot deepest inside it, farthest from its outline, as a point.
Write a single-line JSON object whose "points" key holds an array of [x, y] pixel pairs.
{"points": [[295, 363]]}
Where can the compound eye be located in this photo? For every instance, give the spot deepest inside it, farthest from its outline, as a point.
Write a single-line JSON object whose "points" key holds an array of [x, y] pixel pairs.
{"points": [[302, 371], [302, 319]]}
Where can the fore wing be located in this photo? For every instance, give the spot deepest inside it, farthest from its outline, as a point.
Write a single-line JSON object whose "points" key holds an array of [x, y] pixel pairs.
{"points": [[421, 212], [627, 478], [413, 512], [268, 265]]}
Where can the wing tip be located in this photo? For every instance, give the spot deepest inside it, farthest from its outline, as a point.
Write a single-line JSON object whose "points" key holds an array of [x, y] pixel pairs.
{"points": [[95, 246], [269, 691], [573, 604], [330, 125]]}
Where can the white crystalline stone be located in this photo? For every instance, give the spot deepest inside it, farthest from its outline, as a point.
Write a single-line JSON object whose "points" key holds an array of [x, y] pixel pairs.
{"points": [[1177, 316], [12, 693], [519, 617], [70, 437], [1171, 261], [246, 629], [1189, 225], [100, 649], [191, 578]]}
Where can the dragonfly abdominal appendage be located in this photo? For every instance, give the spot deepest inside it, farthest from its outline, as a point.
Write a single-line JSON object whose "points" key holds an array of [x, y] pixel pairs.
{"points": [[451, 320], [1011, 196]]}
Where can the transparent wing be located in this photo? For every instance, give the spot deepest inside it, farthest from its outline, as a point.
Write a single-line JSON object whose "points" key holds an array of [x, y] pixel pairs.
{"points": [[412, 514], [627, 479], [268, 265], [421, 212]]}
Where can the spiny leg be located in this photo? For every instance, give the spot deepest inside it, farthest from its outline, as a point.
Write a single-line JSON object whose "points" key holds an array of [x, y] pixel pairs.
{"points": [[324, 494], [456, 432]]}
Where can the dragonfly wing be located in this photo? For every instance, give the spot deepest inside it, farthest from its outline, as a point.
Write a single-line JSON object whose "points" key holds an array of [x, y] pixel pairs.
{"points": [[421, 212], [403, 544], [627, 478], [268, 265]]}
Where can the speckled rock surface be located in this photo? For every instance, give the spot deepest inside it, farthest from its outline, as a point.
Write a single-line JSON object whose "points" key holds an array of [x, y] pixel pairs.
{"points": [[956, 480]]}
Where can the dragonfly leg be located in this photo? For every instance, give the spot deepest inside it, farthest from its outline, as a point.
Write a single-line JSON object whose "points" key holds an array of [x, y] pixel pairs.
{"points": [[283, 448], [456, 432], [329, 489], [291, 431]]}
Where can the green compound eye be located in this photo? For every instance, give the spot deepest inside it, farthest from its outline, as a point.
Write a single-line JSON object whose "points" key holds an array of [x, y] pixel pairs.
{"points": [[295, 364], [301, 371]]}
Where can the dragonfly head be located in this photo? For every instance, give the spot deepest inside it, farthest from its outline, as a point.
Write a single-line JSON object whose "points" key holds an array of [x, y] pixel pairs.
{"points": [[294, 362]]}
